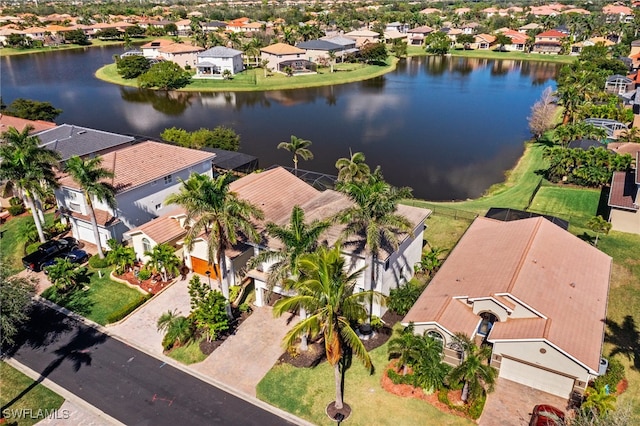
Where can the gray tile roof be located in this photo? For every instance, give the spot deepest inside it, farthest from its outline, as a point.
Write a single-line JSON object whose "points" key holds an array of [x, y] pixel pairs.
{"points": [[319, 45], [219, 52], [341, 40], [70, 140]]}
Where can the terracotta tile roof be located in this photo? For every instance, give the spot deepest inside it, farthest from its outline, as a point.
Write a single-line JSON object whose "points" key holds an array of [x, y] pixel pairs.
{"points": [[624, 148], [145, 162], [624, 191], [551, 33], [163, 229], [533, 328], [180, 48], [104, 218], [19, 124], [528, 260], [282, 49], [158, 43]]}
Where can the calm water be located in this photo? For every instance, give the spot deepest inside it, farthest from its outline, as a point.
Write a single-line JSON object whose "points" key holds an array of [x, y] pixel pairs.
{"points": [[447, 127]]}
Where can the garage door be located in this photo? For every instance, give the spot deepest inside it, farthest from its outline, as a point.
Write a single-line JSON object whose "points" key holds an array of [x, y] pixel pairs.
{"points": [[201, 266], [85, 233], [535, 377]]}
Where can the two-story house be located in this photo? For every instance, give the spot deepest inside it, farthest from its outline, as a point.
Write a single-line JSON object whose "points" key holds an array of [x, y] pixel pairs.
{"points": [[212, 63], [514, 286], [549, 42], [144, 175], [279, 56]]}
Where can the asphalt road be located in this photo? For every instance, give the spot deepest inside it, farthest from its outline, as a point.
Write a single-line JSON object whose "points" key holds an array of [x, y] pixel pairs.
{"points": [[123, 382]]}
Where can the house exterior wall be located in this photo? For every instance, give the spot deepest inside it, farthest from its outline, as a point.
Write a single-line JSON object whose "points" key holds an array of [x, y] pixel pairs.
{"points": [[234, 65], [625, 220], [182, 59], [490, 305], [313, 55], [274, 60]]}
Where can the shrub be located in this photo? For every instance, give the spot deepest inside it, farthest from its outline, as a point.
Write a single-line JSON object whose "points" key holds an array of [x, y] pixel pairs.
{"points": [[399, 379], [401, 299], [475, 409], [32, 247], [144, 274], [443, 397], [125, 310], [16, 210], [15, 201], [97, 263], [376, 322], [244, 307], [234, 292], [615, 373]]}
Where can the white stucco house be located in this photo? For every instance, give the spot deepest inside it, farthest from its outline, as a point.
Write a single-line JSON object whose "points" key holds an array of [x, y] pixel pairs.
{"points": [[145, 173], [276, 191], [212, 63], [532, 291]]}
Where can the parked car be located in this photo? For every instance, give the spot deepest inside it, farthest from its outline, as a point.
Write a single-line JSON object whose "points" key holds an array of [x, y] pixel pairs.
{"points": [[546, 415], [47, 251], [75, 256]]}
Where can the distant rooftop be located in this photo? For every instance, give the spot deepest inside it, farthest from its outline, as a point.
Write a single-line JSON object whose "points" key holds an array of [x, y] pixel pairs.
{"points": [[70, 140]]}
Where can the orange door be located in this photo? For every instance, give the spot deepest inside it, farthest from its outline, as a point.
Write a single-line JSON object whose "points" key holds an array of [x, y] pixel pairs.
{"points": [[201, 266]]}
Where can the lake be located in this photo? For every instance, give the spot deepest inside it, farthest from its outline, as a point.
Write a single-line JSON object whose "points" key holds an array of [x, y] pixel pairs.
{"points": [[447, 127]]}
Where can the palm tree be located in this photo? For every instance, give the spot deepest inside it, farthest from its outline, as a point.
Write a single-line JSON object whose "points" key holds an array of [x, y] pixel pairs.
{"points": [[473, 371], [214, 209], [630, 135], [325, 290], [599, 401], [373, 216], [405, 347], [599, 225], [28, 168], [299, 147], [353, 168], [429, 371], [178, 329], [432, 260], [63, 274], [91, 177], [163, 259], [332, 59], [121, 256]]}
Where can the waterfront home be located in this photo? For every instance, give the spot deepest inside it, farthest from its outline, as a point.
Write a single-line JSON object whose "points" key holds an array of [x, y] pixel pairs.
{"points": [[213, 63], [318, 50], [417, 35], [144, 175], [576, 48], [513, 286], [518, 41], [182, 54], [483, 41], [549, 42], [624, 199], [281, 56], [363, 36]]}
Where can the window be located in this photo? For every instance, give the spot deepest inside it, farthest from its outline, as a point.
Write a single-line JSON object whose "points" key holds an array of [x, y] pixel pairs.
{"points": [[168, 179], [146, 245], [158, 206], [436, 336]]}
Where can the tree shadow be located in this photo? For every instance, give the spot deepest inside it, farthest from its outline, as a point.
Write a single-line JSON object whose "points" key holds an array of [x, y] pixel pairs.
{"points": [[44, 329], [625, 338], [587, 238]]}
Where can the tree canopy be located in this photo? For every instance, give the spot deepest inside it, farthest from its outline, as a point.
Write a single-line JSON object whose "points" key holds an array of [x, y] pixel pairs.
{"points": [[219, 137], [32, 110], [132, 66], [165, 75]]}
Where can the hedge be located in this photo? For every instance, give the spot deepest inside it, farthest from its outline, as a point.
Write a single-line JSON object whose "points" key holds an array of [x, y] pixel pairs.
{"points": [[125, 310]]}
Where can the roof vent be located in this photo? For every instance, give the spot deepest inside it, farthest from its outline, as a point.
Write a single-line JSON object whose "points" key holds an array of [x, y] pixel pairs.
{"points": [[82, 132], [573, 285]]}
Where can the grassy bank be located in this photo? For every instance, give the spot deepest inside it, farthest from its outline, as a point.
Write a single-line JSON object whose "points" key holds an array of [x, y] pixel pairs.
{"points": [[490, 54], [10, 51], [255, 80], [24, 410]]}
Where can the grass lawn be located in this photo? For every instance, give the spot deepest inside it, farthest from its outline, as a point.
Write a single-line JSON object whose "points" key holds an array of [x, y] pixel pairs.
{"points": [[188, 354], [10, 51], [307, 391], [103, 298], [12, 243], [254, 79], [12, 383], [490, 54]]}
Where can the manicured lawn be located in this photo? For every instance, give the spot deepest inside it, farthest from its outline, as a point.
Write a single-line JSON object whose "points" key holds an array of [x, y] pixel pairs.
{"points": [[12, 243], [12, 383], [188, 354], [9, 51], [103, 298], [254, 79], [490, 54], [306, 392]]}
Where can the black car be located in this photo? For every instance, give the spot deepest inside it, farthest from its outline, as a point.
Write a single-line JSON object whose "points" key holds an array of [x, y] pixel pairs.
{"points": [[75, 256], [47, 251]]}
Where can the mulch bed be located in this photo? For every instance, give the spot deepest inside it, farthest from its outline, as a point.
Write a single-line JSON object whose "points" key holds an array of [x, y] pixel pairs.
{"points": [[150, 286], [207, 348], [408, 391], [622, 386]]}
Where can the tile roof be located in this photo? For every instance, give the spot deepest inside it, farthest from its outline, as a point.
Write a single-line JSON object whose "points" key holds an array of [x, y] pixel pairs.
{"points": [[19, 124], [527, 259], [70, 140], [319, 45], [145, 162], [551, 33], [341, 40], [157, 43], [180, 48], [219, 52], [282, 49], [104, 218], [164, 229], [624, 191], [424, 29]]}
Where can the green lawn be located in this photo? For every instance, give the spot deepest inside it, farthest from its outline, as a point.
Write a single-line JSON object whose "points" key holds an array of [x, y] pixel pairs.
{"points": [[306, 392], [38, 397], [103, 298], [9, 51], [254, 79], [188, 354], [490, 54], [12, 243]]}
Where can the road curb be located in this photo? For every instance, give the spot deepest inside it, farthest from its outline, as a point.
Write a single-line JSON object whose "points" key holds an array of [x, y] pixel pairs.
{"points": [[170, 361], [69, 396]]}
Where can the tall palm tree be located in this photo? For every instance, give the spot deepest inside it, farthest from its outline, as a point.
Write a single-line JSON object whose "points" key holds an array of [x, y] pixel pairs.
{"points": [[90, 175], [353, 168], [373, 216], [474, 370], [163, 259], [325, 290], [405, 347], [214, 209], [299, 147], [28, 167]]}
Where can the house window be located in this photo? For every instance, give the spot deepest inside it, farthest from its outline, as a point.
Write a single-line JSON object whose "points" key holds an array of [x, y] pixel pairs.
{"points": [[158, 206], [146, 245], [436, 336], [168, 179]]}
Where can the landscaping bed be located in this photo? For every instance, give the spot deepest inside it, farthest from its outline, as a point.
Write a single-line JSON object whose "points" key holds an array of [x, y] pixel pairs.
{"points": [[152, 286]]}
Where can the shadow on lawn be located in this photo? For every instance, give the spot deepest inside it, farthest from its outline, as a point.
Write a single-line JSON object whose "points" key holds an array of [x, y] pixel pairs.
{"points": [[53, 332], [75, 299], [625, 338]]}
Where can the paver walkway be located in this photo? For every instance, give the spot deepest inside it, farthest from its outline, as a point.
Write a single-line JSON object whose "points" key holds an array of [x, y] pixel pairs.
{"points": [[511, 404], [244, 358]]}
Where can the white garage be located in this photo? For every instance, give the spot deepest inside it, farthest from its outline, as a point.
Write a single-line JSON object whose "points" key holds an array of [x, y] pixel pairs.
{"points": [[537, 378], [83, 231]]}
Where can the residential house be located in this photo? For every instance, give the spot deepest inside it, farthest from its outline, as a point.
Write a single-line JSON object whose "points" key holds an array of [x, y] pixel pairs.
{"points": [[469, 28], [483, 41], [318, 50], [7, 121], [212, 63], [618, 84], [363, 36], [70, 140], [417, 35], [549, 42], [634, 55], [397, 27], [348, 44], [529, 27], [518, 41], [6, 31], [624, 200], [144, 175], [183, 54], [279, 56], [151, 50], [576, 48], [512, 285], [618, 13], [213, 26], [276, 191], [184, 27]]}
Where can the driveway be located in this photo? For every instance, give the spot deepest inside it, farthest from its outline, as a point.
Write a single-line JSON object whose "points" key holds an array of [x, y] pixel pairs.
{"points": [[511, 404]]}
